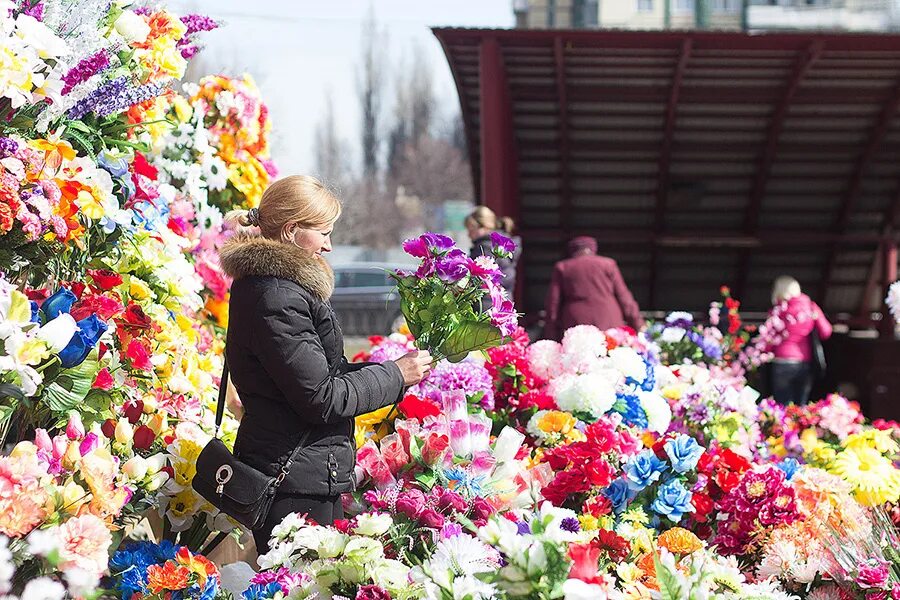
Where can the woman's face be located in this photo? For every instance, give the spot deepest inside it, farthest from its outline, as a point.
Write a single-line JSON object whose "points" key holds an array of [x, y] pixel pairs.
{"points": [[316, 240], [475, 230]]}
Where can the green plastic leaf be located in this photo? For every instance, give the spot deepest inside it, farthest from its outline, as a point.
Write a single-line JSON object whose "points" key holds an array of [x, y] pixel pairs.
{"points": [[669, 586], [9, 390], [415, 449], [70, 388], [469, 337]]}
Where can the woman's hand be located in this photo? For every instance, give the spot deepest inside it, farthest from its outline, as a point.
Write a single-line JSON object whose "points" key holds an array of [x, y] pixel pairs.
{"points": [[414, 366]]}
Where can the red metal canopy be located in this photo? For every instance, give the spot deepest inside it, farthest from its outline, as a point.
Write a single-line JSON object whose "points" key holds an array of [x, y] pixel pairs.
{"points": [[696, 158]]}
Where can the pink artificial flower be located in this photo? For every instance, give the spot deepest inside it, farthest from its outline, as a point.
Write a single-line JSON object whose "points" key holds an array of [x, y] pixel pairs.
{"points": [[393, 453], [431, 518], [84, 544], [75, 428], [90, 443], [872, 574], [411, 503], [42, 440], [435, 446], [370, 459]]}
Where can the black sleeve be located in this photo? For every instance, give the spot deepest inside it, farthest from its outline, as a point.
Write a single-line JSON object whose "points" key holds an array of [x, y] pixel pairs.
{"points": [[291, 353]]}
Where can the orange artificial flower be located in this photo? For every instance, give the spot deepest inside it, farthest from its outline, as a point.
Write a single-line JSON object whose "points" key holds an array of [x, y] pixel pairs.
{"points": [[55, 150], [679, 541], [169, 576], [197, 564]]}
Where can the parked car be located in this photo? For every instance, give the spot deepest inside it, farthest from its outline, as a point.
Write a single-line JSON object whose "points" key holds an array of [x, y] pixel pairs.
{"points": [[365, 298]]}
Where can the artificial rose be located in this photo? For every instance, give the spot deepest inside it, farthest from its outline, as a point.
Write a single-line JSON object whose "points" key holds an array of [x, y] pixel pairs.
{"points": [[105, 279], [143, 437], [104, 380]]}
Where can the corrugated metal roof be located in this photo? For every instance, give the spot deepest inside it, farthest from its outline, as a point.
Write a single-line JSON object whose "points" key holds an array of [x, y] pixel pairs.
{"points": [[698, 158]]}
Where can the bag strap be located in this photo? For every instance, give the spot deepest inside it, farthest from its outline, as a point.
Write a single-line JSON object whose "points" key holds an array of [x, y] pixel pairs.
{"points": [[223, 391]]}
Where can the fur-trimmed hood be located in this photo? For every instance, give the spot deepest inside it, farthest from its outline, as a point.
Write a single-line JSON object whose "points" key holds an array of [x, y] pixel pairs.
{"points": [[245, 256]]}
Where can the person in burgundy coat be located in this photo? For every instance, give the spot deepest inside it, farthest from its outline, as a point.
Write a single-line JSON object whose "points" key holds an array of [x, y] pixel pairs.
{"points": [[588, 289]]}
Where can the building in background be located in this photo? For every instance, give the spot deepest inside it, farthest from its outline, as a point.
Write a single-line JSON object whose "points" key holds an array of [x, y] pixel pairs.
{"points": [[753, 15]]}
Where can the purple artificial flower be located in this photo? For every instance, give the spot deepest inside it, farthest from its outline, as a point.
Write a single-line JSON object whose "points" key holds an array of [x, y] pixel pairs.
{"points": [[453, 267], [114, 97], [486, 268], [189, 51], [503, 247], [523, 528], [426, 269], [570, 524], [32, 9], [428, 244], [466, 376], [196, 23], [84, 70], [8, 147], [502, 312]]}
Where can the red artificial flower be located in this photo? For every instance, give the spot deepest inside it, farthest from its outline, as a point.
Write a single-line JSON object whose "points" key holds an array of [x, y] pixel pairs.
{"points": [[597, 506], [38, 295], [417, 408], [135, 317], [374, 340], [342, 525], [703, 506], [102, 349], [143, 437], [584, 563], [77, 288], [103, 380], [615, 546], [103, 306], [139, 355], [361, 356], [109, 428], [133, 411], [179, 226], [140, 166], [105, 279], [435, 446]]}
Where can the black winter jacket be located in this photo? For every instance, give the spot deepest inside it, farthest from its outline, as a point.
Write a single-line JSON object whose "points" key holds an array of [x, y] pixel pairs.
{"points": [[285, 352]]}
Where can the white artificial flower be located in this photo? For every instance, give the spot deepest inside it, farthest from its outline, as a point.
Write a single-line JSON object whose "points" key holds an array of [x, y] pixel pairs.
{"points": [[657, 409], [278, 555], [672, 335], [590, 393], [766, 590], [679, 315], [576, 589], [58, 333], [373, 525], [460, 556], [7, 566], [629, 363], [135, 468], [893, 300], [358, 549], [132, 27], [40, 37], [472, 588], [80, 582], [42, 542], [585, 340], [215, 172], [288, 525], [43, 588], [544, 358]]}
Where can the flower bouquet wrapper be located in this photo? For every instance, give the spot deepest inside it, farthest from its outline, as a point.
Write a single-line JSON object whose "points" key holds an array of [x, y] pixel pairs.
{"points": [[445, 300]]}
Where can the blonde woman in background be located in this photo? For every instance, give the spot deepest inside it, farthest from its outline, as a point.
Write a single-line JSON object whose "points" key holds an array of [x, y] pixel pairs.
{"points": [[792, 369], [285, 352], [480, 224]]}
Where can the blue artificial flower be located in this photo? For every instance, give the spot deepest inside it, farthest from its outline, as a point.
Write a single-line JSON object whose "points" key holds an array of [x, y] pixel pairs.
{"points": [[116, 166], [629, 406], [643, 469], [35, 312], [464, 482], [58, 303], [618, 494], [89, 331], [523, 528], [261, 592], [672, 501], [684, 452], [790, 466]]}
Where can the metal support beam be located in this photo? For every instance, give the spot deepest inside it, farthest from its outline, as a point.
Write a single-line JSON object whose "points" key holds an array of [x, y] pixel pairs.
{"points": [[889, 275], [665, 160], [499, 177], [803, 64], [848, 201], [875, 269], [565, 198]]}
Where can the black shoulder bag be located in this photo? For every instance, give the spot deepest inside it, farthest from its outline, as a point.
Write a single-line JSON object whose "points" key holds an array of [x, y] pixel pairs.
{"points": [[243, 493], [819, 366]]}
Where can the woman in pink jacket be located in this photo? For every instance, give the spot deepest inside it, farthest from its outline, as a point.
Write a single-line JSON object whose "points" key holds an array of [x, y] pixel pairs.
{"points": [[796, 316]]}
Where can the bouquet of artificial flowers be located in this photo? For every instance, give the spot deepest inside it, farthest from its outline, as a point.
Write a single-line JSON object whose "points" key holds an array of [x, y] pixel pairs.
{"points": [[442, 299]]}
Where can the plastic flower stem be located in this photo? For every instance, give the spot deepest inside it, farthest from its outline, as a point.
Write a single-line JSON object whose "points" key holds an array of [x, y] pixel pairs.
{"points": [[212, 545]]}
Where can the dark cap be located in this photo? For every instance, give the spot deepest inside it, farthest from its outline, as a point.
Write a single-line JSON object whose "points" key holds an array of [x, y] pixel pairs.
{"points": [[582, 242]]}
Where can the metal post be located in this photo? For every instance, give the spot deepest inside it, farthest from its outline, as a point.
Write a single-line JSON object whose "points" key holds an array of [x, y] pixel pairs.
{"points": [[889, 276], [667, 14]]}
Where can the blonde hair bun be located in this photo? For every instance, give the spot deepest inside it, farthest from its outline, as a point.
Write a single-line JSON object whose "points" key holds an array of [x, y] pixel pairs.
{"points": [[295, 199]]}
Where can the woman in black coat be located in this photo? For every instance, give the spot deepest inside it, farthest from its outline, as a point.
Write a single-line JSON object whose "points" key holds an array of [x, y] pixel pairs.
{"points": [[480, 224], [285, 353]]}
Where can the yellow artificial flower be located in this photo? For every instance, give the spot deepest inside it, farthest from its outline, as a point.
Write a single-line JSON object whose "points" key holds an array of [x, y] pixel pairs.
{"points": [[138, 290], [588, 523], [673, 392], [880, 440], [874, 478], [71, 498], [183, 109], [19, 308], [809, 440], [374, 425], [628, 572], [821, 455], [32, 352]]}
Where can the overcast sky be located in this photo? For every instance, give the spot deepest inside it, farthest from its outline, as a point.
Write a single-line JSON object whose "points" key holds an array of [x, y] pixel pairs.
{"points": [[298, 49]]}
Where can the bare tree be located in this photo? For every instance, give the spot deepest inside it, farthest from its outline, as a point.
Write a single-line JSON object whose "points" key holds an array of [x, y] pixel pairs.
{"points": [[331, 151], [370, 87], [414, 106], [370, 217], [434, 170]]}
